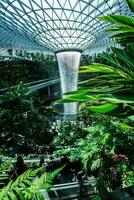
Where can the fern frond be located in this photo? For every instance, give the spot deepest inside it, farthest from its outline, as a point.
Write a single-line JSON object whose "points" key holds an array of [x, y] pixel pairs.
{"points": [[5, 168], [27, 186]]}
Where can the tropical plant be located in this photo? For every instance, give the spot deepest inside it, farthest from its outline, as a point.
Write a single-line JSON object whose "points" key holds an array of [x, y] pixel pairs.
{"points": [[68, 133], [46, 60], [129, 178], [104, 141], [5, 168], [27, 186], [22, 121], [112, 90], [96, 198]]}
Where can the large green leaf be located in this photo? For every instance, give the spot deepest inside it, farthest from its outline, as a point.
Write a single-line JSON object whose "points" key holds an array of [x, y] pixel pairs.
{"points": [[127, 126], [121, 98], [78, 98], [84, 67], [131, 117], [103, 108], [131, 4], [92, 89], [124, 35], [77, 92], [124, 56], [109, 58], [119, 20], [99, 68], [67, 100], [130, 49], [123, 29]]}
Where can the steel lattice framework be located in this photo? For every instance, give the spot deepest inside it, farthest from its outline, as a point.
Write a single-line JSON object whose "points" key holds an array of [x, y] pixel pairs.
{"points": [[53, 25]]}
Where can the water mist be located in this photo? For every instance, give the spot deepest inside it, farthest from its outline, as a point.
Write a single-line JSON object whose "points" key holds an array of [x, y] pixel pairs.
{"points": [[69, 65]]}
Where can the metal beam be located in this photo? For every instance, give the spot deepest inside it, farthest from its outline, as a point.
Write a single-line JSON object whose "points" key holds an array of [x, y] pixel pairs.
{"points": [[43, 85]]}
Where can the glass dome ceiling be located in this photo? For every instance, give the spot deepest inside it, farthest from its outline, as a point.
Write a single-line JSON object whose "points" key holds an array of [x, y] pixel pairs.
{"points": [[54, 25]]}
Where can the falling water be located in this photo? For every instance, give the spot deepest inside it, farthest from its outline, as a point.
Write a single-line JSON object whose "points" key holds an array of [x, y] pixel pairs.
{"points": [[68, 65]]}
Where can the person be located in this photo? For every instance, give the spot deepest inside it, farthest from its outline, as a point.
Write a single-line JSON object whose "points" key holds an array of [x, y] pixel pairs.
{"points": [[20, 165], [80, 178], [13, 173], [65, 159], [66, 163], [41, 164]]}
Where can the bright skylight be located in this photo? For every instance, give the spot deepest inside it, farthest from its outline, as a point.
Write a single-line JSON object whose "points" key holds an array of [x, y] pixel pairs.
{"points": [[55, 24]]}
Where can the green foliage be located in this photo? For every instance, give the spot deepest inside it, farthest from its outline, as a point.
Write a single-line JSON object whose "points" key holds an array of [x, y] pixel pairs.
{"points": [[38, 67], [103, 108], [111, 91], [96, 143], [96, 198], [22, 120], [47, 64], [67, 133], [131, 4], [5, 168], [27, 186], [128, 179], [59, 153], [104, 138]]}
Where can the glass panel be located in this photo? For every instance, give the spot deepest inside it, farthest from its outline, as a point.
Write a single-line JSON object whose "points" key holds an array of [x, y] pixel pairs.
{"points": [[56, 24]]}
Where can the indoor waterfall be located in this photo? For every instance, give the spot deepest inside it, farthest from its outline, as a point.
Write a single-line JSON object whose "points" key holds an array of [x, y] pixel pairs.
{"points": [[69, 62]]}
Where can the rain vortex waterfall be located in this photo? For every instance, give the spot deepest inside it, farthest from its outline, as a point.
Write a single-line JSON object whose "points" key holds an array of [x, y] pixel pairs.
{"points": [[68, 65]]}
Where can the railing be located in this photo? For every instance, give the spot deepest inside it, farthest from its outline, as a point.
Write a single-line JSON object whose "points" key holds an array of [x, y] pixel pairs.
{"points": [[36, 85], [43, 85], [71, 190]]}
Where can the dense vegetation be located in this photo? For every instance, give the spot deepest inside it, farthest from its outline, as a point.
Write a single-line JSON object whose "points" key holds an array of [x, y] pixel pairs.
{"points": [[25, 121], [38, 67], [26, 185], [102, 138], [108, 147]]}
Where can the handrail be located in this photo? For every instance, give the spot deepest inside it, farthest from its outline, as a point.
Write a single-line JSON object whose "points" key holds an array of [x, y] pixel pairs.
{"points": [[37, 84], [43, 85]]}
